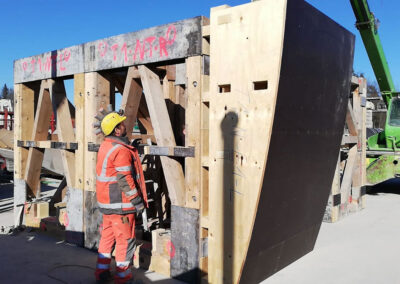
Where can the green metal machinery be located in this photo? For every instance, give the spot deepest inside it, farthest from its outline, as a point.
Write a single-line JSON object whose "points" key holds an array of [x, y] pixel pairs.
{"points": [[384, 145]]}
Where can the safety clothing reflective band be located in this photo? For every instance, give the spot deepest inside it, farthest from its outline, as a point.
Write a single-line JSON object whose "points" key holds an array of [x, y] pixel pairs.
{"points": [[104, 166], [106, 179], [104, 255], [123, 274], [122, 264], [115, 205], [124, 169], [102, 266], [131, 192]]}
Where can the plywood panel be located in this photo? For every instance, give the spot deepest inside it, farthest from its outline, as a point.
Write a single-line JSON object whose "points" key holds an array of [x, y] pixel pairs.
{"points": [[310, 112], [246, 46]]}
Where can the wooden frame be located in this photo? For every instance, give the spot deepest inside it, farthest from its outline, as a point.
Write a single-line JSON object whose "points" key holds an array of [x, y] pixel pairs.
{"points": [[349, 188], [207, 164]]}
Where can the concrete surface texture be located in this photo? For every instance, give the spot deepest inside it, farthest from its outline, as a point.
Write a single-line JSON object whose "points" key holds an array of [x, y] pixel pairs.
{"points": [[361, 248]]}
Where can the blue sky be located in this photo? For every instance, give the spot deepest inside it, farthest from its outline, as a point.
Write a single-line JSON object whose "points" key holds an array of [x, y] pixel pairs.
{"points": [[31, 27]]}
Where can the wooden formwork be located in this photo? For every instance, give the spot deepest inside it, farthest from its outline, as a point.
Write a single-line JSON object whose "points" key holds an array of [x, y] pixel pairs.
{"points": [[349, 181], [238, 113], [160, 74]]}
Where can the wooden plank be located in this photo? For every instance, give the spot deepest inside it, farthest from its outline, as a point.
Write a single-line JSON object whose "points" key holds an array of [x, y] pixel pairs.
{"points": [[351, 121], [238, 149], [163, 132], [131, 99], [345, 186], [79, 101], [193, 131], [47, 144], [97, 95], [144, 117], [24, 102], [166, 42], [40, 132], [64, 126]]}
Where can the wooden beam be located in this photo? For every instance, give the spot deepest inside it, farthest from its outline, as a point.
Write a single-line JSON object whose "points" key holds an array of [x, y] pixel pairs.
{"points": [[24, 107], [40, 132], [131, 99], [193, 131], [79, 101], [97, 95], [24, 98], [65, 130], [144, 117], [350, 121], [348, 174], [47, 144], [173, 171]]}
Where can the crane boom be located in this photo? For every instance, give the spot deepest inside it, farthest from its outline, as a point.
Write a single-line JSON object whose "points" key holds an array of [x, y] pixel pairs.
{"points": [[367, 24]]}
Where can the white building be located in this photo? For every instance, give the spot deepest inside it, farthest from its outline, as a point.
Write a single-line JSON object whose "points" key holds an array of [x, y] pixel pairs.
{"points": [[5, 104]]}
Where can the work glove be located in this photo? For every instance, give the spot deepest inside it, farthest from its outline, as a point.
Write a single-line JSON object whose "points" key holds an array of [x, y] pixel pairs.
{"points": [[138, 203]]}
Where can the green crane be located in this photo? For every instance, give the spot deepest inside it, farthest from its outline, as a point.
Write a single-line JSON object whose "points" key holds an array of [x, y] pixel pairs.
{"points": [[389, 139]]}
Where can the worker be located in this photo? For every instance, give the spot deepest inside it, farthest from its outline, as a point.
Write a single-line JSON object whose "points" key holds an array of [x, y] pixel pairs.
{"points": [[121, 193]]}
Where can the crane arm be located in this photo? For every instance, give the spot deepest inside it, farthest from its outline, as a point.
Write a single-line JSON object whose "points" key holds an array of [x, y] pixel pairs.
{"points": [[367, 24]]}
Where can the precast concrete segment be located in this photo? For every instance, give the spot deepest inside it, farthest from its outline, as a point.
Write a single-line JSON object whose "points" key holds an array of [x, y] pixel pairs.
{"points": [[19, 200], [166, 42], [74, 217]]}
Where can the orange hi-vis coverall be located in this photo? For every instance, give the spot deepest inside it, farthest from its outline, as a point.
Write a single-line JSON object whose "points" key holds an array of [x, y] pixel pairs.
{"points": [[120, 184]]}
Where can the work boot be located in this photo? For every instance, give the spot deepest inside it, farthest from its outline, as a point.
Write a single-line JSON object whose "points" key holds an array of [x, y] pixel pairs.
{"points": [[103, 277], [123, 275]]}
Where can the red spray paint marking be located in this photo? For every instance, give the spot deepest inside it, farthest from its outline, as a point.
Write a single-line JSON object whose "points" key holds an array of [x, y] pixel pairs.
{"points": [[142, 48], [169, 246], [66, 220]]}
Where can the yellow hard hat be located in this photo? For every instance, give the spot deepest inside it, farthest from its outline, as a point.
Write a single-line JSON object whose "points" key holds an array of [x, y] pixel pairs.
{"points": [[110, 121]]}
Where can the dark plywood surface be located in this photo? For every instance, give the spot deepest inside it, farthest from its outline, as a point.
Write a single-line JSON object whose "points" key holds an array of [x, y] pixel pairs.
{"points": [[308, 125]]}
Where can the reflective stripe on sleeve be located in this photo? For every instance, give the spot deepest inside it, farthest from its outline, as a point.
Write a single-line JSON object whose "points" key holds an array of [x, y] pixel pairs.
{"points": [[106, 179], [131, 192], [124, 169], [115, 205]]}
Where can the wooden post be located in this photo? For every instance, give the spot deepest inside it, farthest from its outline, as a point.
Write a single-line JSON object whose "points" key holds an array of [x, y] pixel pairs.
{"points": [[24, 98], [193, 131], [131, 100], [40, 132], [163, 132], [97, 95], [65, 130]]}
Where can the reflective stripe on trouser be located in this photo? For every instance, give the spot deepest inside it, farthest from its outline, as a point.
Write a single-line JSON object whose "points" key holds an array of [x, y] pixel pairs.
{"points": [[123, 275], [118, 230], [103, 265]]}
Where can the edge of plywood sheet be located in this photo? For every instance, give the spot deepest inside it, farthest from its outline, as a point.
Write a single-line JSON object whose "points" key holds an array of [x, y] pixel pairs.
{"points": [[240, 103]]}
